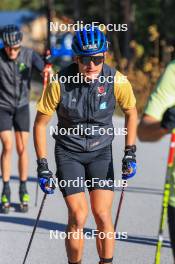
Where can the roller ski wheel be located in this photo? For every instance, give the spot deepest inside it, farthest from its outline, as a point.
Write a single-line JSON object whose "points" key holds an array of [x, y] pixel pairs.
{"points": [[5, 204], [24, 208], [24, 205]]}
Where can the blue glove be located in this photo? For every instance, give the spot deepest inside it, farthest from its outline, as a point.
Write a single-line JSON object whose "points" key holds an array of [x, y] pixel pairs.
{"points": [[44, 176], [129, 166]]}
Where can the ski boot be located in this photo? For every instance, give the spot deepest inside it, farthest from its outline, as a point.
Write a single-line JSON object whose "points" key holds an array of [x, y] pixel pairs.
{"points": [[24, 199], [5, 199]]}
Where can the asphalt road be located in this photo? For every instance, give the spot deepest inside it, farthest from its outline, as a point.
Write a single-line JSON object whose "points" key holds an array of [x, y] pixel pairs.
{"points": [[140, 214]]}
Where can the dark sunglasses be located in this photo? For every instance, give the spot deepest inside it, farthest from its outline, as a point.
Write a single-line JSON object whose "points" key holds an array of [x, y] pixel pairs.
{"points": [[87, 59], [15, 49]]}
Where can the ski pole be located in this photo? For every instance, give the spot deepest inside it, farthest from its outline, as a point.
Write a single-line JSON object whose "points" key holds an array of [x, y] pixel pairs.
{"points": [[34, 229], [166, 195], [119, 208]]}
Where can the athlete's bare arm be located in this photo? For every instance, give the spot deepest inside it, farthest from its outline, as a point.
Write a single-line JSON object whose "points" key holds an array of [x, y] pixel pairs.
{"points": [[149, 129], [39, 134], [131, 125]]}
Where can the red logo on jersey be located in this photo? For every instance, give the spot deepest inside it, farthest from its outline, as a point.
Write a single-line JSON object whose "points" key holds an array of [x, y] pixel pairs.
{"points": [[101, 89]]}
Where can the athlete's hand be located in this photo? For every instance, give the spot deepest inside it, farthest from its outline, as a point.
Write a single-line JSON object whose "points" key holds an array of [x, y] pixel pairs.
{"points": [[129, 165], [45, 176], [168, 120]]}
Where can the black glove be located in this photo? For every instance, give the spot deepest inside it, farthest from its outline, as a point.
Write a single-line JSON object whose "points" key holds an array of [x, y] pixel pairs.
{"points": [[129, 166], [168, 120], [44, 176]]}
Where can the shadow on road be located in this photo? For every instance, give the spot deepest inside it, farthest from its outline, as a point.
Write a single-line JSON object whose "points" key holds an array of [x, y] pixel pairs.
{"points": [[142, 190], [146, 241], [153, 191], [48, 225]]}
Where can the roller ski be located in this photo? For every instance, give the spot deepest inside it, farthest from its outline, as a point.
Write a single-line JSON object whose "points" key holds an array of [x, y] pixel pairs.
{"points": [[24, 199], [5, 199]]}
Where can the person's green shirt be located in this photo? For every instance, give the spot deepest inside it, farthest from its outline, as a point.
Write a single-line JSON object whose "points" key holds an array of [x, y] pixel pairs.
{"points": [[160, 99]]}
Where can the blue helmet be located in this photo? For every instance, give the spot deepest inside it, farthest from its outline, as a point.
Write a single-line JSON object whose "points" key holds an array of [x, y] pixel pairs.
{"points": [[11, 35], [89, 41]]}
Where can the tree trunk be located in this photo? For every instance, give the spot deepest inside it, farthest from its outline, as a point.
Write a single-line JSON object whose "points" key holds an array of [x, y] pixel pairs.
{"points": [[126, 19]]}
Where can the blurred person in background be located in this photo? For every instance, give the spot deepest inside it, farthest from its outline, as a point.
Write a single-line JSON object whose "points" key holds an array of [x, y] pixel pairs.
{"points": [[157, 121], [16, 63], [85, 155]]}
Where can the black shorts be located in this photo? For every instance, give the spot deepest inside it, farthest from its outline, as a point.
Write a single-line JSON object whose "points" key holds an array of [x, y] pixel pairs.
{"points": [[18, 118], [77, 170], [171, 221]]}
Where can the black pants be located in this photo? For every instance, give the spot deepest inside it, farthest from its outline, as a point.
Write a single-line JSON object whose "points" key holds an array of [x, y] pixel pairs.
{"points": [[171, 221]]}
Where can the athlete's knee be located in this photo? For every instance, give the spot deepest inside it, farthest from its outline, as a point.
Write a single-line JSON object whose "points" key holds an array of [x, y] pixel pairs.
{"points": [[102, 217], [78, 218], [21, 150], [21, 143], [7, 147]]}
